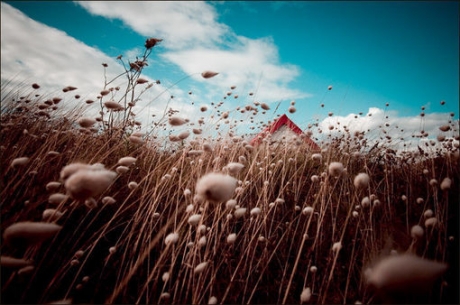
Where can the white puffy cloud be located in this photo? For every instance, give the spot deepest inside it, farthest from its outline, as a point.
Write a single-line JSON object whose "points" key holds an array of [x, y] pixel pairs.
{"points": [[35, 53], [181, 24], [389, 127], [195, 41], [48, 56]]}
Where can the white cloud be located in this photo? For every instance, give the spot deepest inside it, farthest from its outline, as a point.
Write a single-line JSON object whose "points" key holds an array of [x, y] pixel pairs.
{"points": [[389, 127], [35, 53], [181, 24], [48, 56], [250, 64], [195, 41]]}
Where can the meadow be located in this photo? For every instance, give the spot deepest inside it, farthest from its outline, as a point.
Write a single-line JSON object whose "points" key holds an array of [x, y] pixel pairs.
{"points": [[95, 210]]}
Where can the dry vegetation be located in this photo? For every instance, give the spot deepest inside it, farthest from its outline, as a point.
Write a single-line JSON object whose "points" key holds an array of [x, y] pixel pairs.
{"points": [[139, 221]]}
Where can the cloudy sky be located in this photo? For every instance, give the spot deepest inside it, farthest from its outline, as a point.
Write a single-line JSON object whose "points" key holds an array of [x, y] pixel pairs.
{"points": [[384, 60]]}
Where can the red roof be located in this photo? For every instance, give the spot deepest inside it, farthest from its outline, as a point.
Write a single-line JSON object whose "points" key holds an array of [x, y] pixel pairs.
{"points": [[277, 124]]}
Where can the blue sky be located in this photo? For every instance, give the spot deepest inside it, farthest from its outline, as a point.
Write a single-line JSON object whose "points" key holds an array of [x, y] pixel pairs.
{"points": [[372, 53]]}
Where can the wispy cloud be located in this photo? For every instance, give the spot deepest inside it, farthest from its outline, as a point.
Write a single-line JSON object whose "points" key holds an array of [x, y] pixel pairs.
{"points": [[195, 41], [181, 24]]}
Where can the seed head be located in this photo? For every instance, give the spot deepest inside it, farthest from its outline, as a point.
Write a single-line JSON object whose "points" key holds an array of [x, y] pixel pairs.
{"points": [[71, 169], [230, 204], [335, 169], [108, 200], [264, 106], [86, 184], [51, 215], [194, 219], [305, 296], [404, 273], [212, 300], [431, 222], [234, 168], [200, 267], [52, 186], [11, 262], [361, 180], [416, 232], [216, 187], [445, 184], [135, 140], [114, 106], [19, 162], [176, 121], [255, 211], [317, 157], [183, 135], [231, 238], [428, 213], [127, 161], [86, 122], [239, 212], [336, 247], [172, 238], [30, 232], [122, 169], [208, 74], [151, 42], [444, 128], [141, 80], [133, 185], [307, 211], [57, 198]]}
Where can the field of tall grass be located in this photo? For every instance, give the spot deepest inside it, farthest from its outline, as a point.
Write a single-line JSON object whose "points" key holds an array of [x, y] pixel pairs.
{"points": [[95, 211]]}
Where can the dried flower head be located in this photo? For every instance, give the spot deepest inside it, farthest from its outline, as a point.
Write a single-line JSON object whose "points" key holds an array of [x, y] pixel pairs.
{"points": [[53, 185], [416, 232], [234, 168], [86, 183], [51, 215], [404, 273], [108, 200], [11, 262], [30, 232], [336, 169], [172, 238], [194, 219], [446, 184], [231, 238], [307, 211], [216, 187], [151, 42], [72, 168], [133, 185], [122, 169], [176, 121], [19, 162], [86, 122], [239, 212], [255, 211], [135, 140], [57, 198], [200, 267], [361, 180], [305, 296], [336, 247], [208, 74], [114, 106]]}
